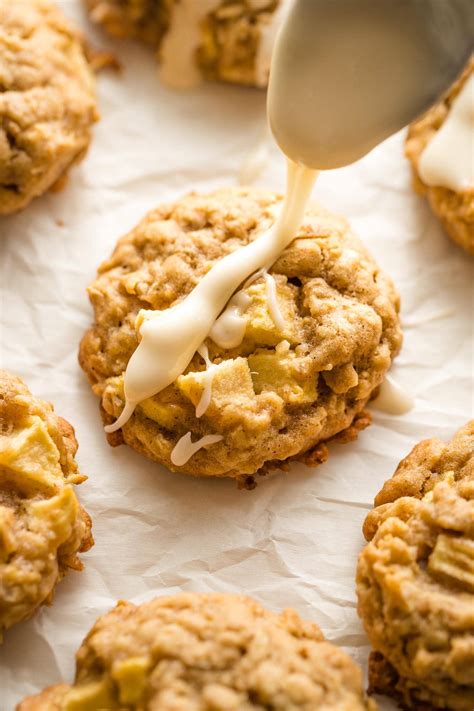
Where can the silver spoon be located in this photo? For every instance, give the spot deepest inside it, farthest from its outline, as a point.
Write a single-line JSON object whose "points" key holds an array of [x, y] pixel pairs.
{"points": [[346, 74]]}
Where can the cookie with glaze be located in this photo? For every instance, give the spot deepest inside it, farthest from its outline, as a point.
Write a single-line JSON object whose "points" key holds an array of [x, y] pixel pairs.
{"points": [[230, 35], [279, 395], [455, 210]]}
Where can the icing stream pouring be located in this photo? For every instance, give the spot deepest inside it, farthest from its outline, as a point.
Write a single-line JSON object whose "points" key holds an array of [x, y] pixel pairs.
{"points": [[170, 338], [345, 74]]}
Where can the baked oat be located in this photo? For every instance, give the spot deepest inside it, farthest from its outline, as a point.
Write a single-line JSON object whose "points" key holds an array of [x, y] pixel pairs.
{"points": [[415, 578], [232, 40], [42, 525], [47, 100], [145, 20], [206, 652], [280, 394]]}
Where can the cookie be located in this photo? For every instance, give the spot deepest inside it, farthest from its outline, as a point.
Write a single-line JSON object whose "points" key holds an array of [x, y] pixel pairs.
{"points": [[220, 40], [42, 525], [207, 652], [455, 209], [415, 578], [47, 100], [145, 20], [282, 392]]}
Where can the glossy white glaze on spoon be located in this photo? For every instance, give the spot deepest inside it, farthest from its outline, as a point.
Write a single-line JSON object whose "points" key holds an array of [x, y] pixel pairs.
{"points": [[346, 74], [185, 448], [170, 338], [448, 159], [392, 398]]}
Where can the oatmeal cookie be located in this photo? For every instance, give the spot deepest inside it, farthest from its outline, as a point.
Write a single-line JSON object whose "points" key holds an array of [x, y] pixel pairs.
{"points": [[42, 525], [415, 578], [454, 209], [281, 393], [234, 38], [47, 100], [145, 20], [207, 652], [237, 39]]}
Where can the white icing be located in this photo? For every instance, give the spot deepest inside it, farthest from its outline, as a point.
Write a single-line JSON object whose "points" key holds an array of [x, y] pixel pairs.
{"points": [[126, 414], [448, 159], [208, 377], [228, 330], [185, 448], [178, 62], [171, 337], [253, 277], [272, 302], [392, 398]]}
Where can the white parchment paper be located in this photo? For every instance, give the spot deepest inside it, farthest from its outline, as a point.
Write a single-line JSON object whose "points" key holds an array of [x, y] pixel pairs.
{"points": [[294, 540]]}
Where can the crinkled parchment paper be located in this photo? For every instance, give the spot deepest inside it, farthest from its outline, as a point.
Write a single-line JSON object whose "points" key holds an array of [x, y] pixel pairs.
{"points": [[294, 540]]}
